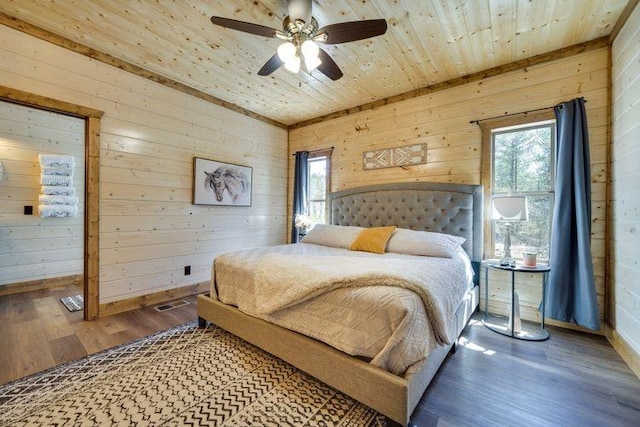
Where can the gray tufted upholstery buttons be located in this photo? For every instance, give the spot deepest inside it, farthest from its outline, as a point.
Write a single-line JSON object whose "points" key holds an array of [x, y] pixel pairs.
{"points": [[416, 209]]}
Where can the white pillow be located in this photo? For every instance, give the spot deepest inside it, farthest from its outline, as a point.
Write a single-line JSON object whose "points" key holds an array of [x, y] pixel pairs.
{"points": [[336, 236], [424, 243]]}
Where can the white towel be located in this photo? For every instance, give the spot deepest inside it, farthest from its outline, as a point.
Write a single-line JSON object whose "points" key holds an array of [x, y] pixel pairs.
{"points": [[46, 199], [57, 210], [55, 180], [56, 160], [59, 190], [56, 170]]}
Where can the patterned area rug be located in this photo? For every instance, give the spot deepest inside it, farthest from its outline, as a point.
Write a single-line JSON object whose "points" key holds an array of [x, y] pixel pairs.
{"points": [[183, 376]]}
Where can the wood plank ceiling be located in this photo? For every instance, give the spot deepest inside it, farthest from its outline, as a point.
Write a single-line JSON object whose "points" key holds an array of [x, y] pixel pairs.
{"points": [[428, 42]]}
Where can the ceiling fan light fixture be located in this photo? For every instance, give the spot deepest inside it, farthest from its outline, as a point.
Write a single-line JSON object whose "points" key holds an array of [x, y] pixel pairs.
{"points": [[300, 33], [287, 51], [293, 64], [310, 51], [310, 48], [311, 62]]}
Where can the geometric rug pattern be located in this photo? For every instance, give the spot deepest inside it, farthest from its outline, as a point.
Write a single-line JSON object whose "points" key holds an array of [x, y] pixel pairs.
{"points": [[183, 376]]}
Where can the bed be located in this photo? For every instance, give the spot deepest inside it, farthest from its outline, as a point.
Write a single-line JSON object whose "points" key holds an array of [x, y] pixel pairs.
{"points": [[452, 209]]}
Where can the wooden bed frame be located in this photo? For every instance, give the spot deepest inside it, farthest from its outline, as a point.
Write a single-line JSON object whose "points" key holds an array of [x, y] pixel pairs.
{"points": [[446, 208]]}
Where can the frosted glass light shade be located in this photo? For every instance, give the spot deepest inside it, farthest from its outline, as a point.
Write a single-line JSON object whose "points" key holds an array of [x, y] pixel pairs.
{"points": [[293, 64], [287, 51], [310, 48], [311, 62], [509, 208], [310, 51]]}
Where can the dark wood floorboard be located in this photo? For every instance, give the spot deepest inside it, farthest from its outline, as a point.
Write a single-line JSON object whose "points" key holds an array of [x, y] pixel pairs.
{"points": [[573, 379]]}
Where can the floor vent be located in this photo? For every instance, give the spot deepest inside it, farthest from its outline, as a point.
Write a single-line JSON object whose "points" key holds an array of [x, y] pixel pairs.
{"points": [[171, 305], [73, 303]]}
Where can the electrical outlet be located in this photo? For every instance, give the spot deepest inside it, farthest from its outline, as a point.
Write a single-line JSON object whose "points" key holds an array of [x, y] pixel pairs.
{"points": [[187, 270]]}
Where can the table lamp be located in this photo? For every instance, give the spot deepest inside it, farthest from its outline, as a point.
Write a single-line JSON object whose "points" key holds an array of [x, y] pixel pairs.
{"points": [[508, 209]]}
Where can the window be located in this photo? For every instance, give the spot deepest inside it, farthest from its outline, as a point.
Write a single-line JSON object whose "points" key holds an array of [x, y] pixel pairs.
{"points": [[318, 180], [522, 163]]}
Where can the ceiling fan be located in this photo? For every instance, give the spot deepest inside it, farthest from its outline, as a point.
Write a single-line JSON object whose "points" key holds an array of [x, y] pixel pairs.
{"points": [[301, 36]]}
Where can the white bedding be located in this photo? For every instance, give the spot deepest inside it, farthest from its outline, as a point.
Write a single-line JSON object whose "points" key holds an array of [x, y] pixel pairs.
{"points": [[386, 323]]}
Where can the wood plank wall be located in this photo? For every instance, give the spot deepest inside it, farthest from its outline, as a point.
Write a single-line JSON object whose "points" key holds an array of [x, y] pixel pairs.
{"points": [[149, 229], [34, 248], [624, 226], [442, 121]]}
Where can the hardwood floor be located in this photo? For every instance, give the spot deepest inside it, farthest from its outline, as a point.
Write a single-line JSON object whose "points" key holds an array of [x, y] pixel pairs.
{"points": [[37, 332], [573, 379]]}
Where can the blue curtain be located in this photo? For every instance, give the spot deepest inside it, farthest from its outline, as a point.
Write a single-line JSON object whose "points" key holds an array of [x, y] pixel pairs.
{"points": [[571, 294], [299, 190]]}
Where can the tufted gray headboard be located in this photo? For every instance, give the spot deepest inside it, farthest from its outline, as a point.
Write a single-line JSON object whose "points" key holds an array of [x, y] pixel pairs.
{"points": [[444, 208]]}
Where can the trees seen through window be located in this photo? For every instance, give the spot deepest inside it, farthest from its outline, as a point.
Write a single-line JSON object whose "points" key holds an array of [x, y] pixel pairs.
{"points": [[523, 164]]}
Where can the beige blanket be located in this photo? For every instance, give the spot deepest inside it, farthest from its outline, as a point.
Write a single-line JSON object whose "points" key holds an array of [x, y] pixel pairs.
{"points": [[313, 290], [282, 281]]}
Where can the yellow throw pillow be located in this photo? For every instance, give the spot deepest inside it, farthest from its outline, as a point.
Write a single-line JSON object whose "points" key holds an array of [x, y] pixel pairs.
{"points": [[373, 239]]}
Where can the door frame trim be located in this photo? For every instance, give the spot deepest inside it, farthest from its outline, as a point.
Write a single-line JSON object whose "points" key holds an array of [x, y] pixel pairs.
{"points": [[91, 279]]}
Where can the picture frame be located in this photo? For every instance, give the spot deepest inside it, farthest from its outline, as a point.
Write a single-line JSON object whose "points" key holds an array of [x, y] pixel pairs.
{"points": [[221, 184]]}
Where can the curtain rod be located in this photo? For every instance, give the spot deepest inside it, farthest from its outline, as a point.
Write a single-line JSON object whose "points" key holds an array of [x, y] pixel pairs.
{"points": [[515, 114], [509, 115], [317, 151]]}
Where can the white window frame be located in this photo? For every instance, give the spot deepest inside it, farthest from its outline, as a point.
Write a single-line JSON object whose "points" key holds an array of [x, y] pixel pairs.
{"points": [[489, 129], [315, 156]]}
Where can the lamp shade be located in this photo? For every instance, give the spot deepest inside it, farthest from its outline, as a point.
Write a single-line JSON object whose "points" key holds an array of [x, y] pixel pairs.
{"points": [[310, 51], [287, 51], [310, 48], [509, 208], [293, 64], [312, 62]]}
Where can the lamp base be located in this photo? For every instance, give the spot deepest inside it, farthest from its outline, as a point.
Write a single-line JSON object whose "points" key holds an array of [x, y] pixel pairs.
{"points": [[507, 259]]}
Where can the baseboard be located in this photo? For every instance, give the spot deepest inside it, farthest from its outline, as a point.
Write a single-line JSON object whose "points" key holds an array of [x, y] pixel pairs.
{"points": [[41, 284], [625, 351], [574, 327], [142, 301]]}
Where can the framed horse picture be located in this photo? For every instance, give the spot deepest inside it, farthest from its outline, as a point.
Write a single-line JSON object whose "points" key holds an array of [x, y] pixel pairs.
{"points": [[220, 183]]}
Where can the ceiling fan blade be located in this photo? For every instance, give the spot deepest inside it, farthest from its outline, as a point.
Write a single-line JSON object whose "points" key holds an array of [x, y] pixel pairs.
{"points": [[351, 31], [328, 67], [272, 64], [246, 27]]}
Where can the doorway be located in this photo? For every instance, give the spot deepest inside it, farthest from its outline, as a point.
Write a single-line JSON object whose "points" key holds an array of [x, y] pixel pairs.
{"points": [[90, 191], [42, 193]]}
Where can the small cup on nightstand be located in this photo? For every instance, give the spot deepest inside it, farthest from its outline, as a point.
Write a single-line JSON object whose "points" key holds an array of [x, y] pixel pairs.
{"points": [[529, 259]]}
